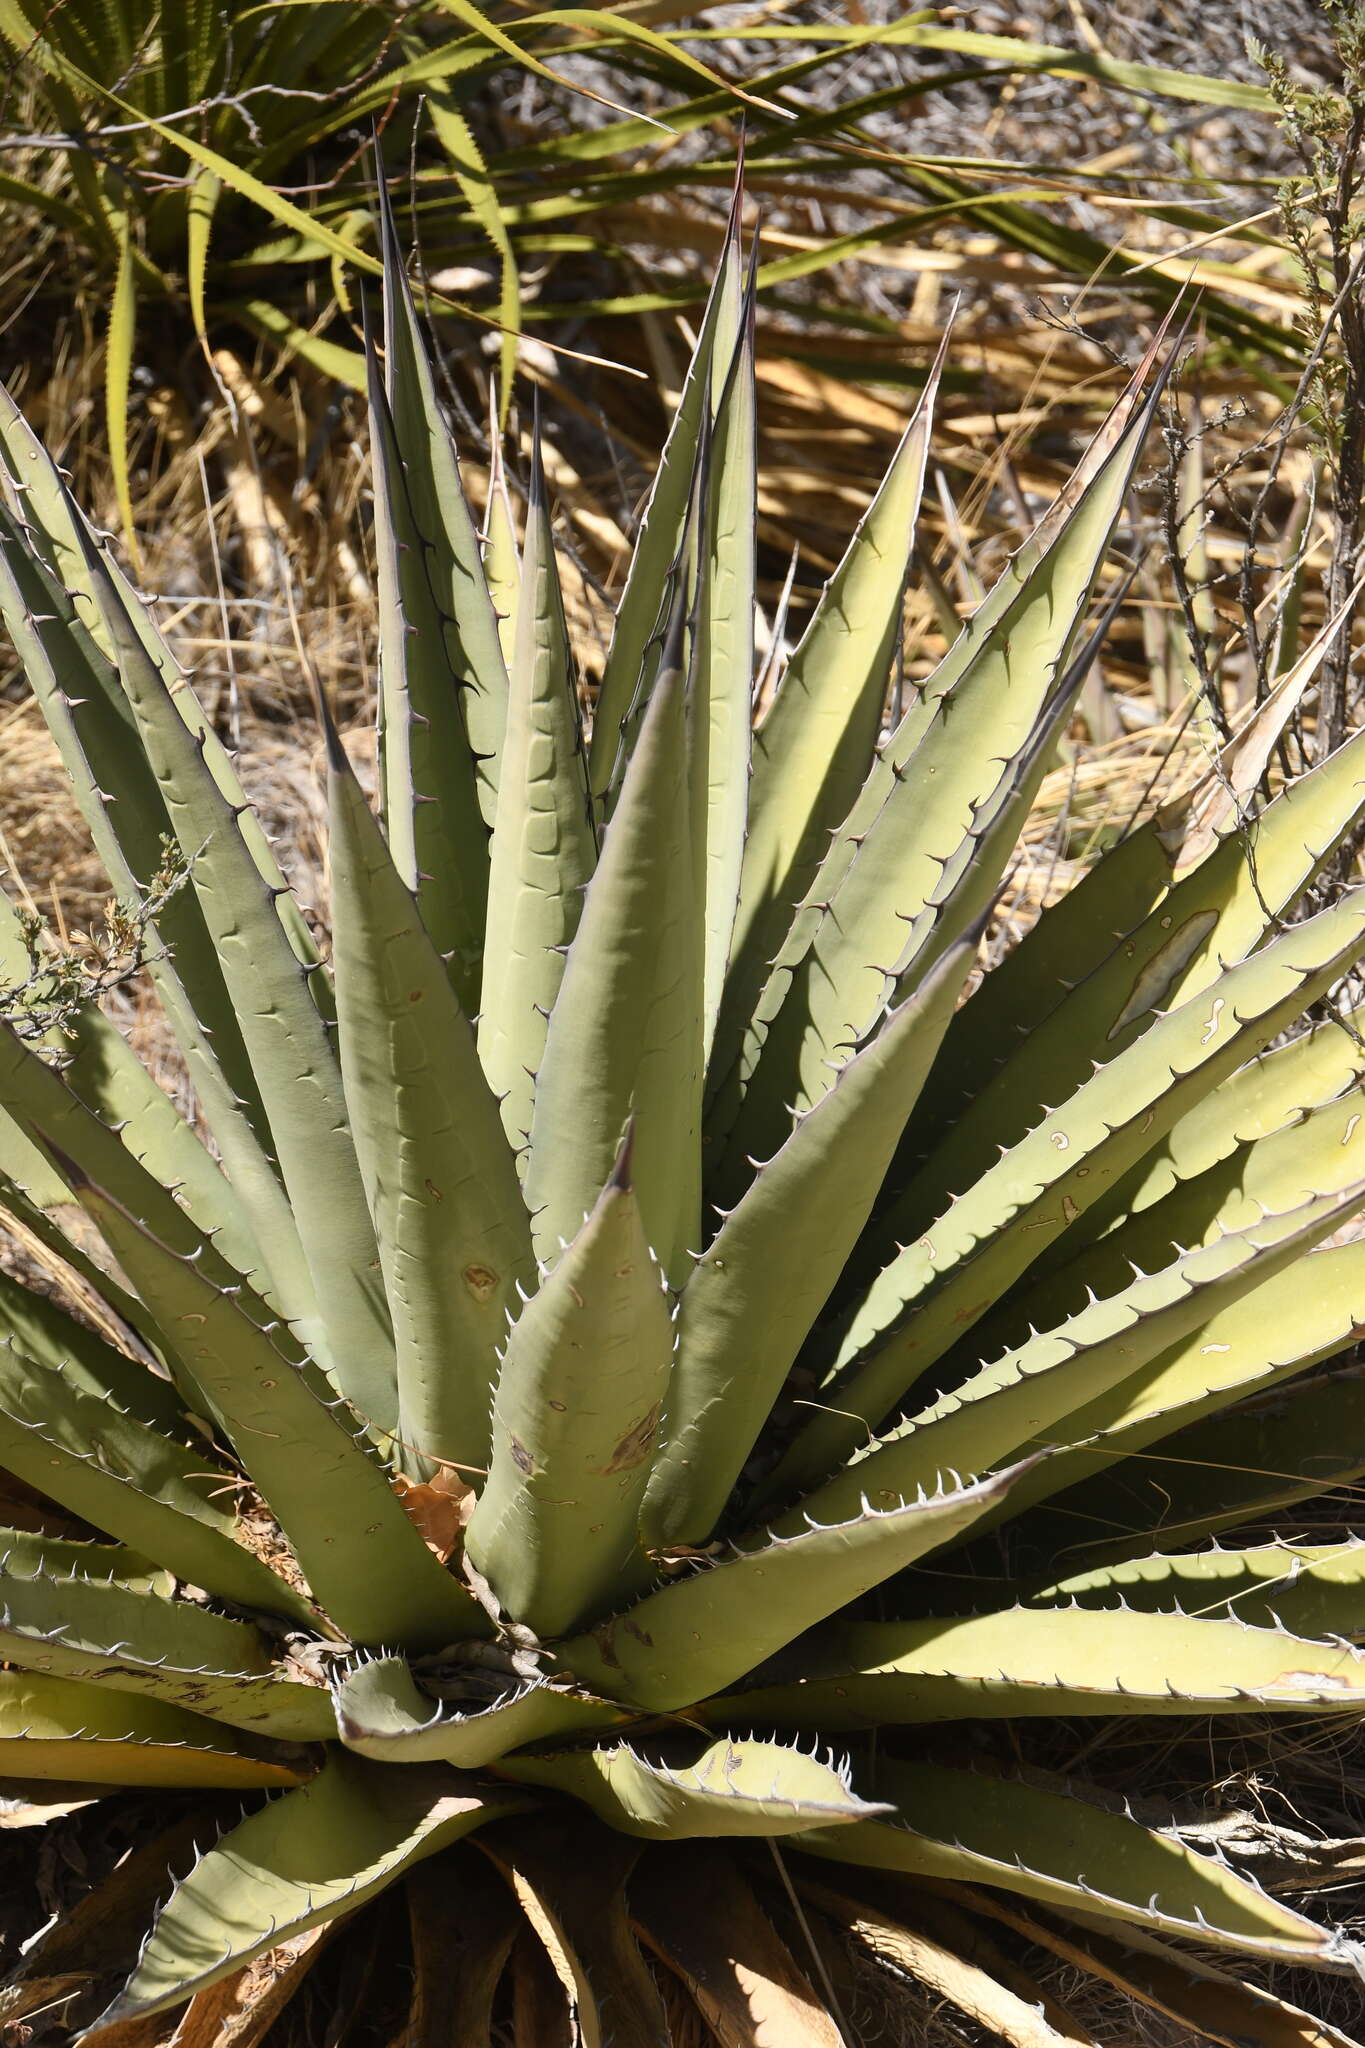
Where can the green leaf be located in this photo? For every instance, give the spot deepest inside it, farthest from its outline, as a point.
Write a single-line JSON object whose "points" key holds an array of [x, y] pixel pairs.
{"points": [[631, 665], [1065, 1852], [1315, 1590], [1024, 56], [1216, 915], [88, 717], [502, 568], [943, 1282], [1054, 1659], [1320, 1148], [776, 1257], [1029, 1398], [295, 1864], [575, 1421], [624, 1038], [930, 860], [92, 1735], [368, 1567], [482, 198], [381, 1713], [143, 1642], [22, 1551], [722, 677], [291, 1054], [37, 1096], [1279, 1330], [126, 1476], [733, 1788], [119, 342], [1226, 1469], [454, 1238], [813, 750], [444, 704], [206, 190], [543, 850], [699, 1634]]}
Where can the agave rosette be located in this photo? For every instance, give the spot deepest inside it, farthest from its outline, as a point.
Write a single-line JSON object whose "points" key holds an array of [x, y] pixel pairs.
{"points": [[632, 1179]]}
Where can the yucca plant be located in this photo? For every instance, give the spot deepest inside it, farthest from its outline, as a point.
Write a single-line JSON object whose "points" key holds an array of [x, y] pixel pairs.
{"points": [[525, 1433]]}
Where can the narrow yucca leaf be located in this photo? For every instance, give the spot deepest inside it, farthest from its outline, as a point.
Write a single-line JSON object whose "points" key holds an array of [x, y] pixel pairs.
{"points": [[775, 1259], [1276, 1333], [1041, 1659], [733, 1788], [382, 1714], [1026, 1399], [984, 1241], [544, 848], [1315, 1590], [142, 1642], [931, 858], [812, 750], [632, 660], [575, 1423], [624, 1039], [291, 1053], [1056, 1847], [722, 666], [454, 1237], [699, 1634], [369, 1568], [296, 1863], [128, 1476], [60, 1728], [444, 698]]}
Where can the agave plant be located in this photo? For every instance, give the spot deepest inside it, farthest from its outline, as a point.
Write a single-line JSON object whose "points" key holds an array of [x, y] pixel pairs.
{"points": [[545, 1413]]}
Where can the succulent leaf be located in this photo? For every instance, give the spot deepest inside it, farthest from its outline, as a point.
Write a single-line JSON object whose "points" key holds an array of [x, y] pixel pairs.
{"points": [[624, 1038], [544, 849], [369, 1569], [128, 1640], [444, 702], [1059, 1849], [733, 1788], [291, 1053], [988, 1237], [575, 1425], [53, 1727], [381, 1713], [775, 1260], [453, 1234], [811, 752], [699, 1634], [1023, 1400], [296, 1864], [131, 1479], [632, 660], [1053, 1658]]}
